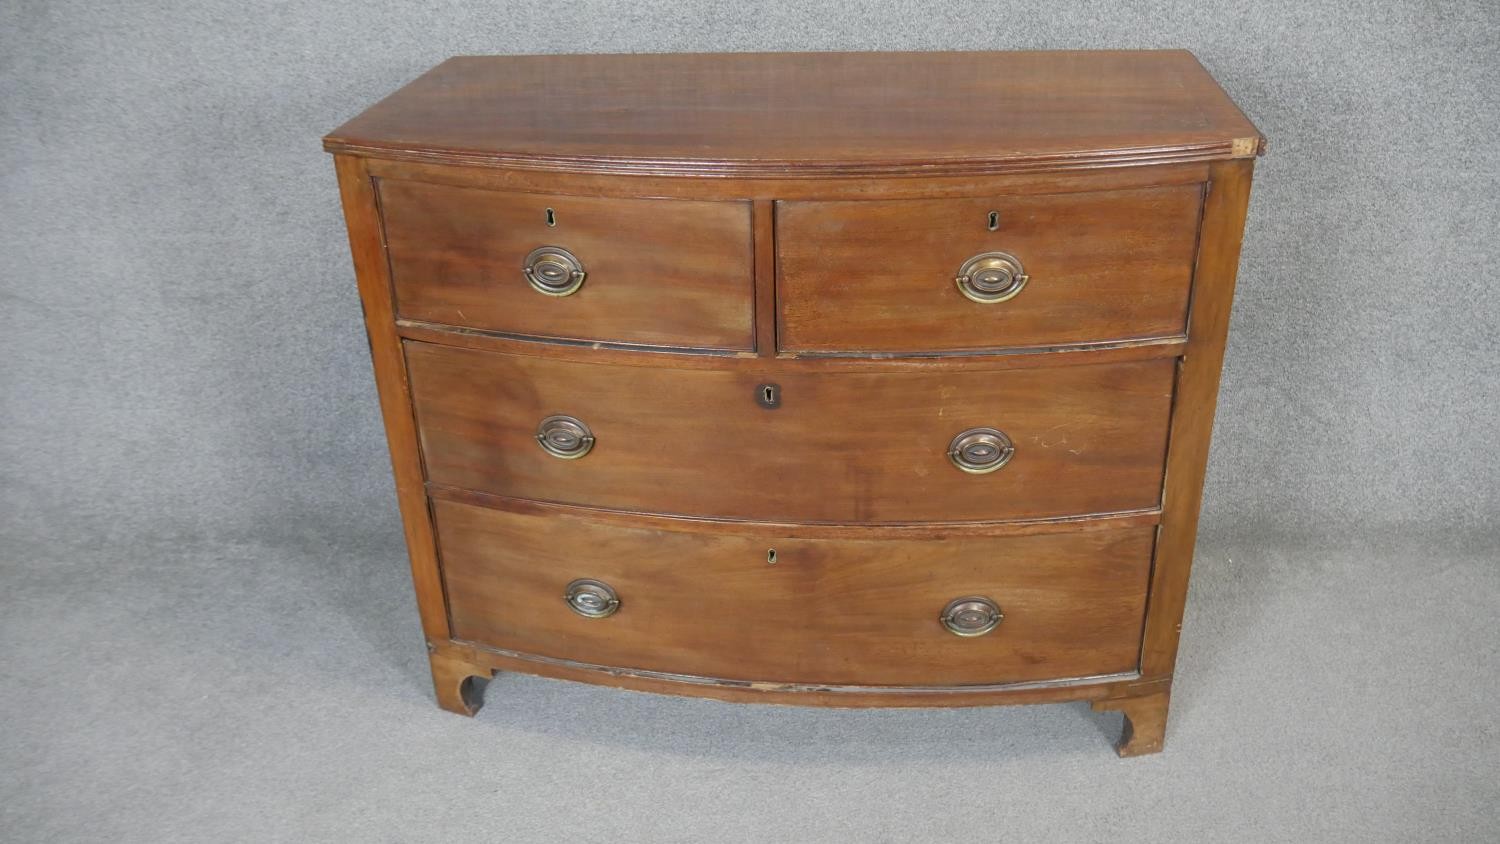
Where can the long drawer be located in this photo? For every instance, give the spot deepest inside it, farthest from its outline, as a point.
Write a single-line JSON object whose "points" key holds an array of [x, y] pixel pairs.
{"points": [[712, 602], [890, 446]]}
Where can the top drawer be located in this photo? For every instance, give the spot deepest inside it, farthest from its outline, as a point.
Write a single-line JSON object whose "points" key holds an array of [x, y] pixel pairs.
{"points": [[654, 271], [883, 276]]}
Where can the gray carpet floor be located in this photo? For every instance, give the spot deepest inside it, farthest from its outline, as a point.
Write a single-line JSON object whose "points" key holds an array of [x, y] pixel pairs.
{"points": [[274, 688]]}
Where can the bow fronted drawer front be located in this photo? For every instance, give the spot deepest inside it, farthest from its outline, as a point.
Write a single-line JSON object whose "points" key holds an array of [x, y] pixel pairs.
{"points": [[654, 272], [758, 607], [887, 447], [945, 275]]}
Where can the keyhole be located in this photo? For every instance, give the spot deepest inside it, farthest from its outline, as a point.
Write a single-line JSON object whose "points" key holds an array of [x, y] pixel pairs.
{"points": [[994, 223], [768, 396], [552, 218], [771, 556]]}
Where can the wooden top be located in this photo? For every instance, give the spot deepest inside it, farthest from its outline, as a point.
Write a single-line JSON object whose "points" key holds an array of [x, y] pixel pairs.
{"points": [[815, 114]]}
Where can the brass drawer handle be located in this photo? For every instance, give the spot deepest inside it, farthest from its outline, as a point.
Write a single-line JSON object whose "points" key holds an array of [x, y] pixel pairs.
{"points": [[991, 277], [592, 598], [565, 437], [979, 451], [974, 615], [554, 271]]}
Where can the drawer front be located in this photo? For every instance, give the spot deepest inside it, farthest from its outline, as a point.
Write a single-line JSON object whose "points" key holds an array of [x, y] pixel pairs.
{"points": [[655, 272], [861, 612], [842, 446], [881, 276]]}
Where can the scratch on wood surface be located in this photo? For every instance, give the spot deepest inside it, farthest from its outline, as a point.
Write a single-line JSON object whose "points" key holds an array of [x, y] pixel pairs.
{"points": [[1041, 439]]}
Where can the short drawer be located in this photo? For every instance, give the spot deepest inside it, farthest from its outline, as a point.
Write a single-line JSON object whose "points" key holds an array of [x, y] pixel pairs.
{"points": [[709, 602], [653, 272], [841, 447], [887, 276]]}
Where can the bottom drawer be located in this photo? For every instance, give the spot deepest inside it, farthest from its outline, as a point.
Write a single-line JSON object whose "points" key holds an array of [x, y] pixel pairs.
{"points": [[706, 600]]}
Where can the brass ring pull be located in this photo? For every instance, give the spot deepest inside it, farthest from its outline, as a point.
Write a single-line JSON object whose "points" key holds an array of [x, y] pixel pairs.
{"points": [[991, 277], [979, 451], [565, 437], [974, 615], [554, 271], [592, 598]]}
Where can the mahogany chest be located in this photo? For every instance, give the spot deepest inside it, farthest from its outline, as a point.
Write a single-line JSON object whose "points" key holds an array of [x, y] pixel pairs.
{"points": [[859, 379]]}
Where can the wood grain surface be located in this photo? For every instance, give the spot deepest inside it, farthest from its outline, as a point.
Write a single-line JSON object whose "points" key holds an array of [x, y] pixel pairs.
{"points": [[798, 220], [1196, 398], [659, 272], [827, 611], [808, 113], [362, 215], [879, 275], [843, 447]]}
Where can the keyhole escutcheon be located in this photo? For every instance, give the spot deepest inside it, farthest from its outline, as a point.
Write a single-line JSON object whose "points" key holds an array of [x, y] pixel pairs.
{"points": [[768, 396]]}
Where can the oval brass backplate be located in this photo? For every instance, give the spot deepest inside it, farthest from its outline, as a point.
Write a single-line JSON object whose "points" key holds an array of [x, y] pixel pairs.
{"points": [[553, 271], [592, 598], [980, 451], [565, 437], [991, 277], [973, 615]]}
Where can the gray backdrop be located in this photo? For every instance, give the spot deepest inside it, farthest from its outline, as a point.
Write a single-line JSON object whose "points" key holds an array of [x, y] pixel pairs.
{"points": [[207, 627]]}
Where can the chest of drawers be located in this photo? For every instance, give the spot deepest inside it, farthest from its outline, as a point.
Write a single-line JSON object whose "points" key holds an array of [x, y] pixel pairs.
{"points": [[832, 379]]}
